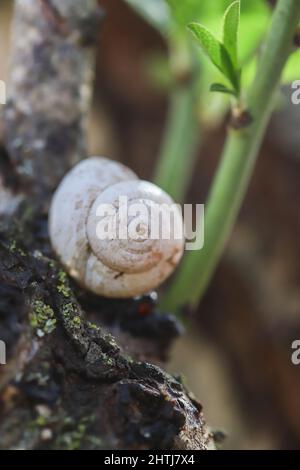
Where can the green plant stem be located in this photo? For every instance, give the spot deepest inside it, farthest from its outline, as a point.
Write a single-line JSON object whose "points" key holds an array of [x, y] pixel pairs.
{"points": [[236, 167], [181, 141]]}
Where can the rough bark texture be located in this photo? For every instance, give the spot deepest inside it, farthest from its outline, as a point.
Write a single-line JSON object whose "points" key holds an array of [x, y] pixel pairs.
{"points": [[49, 88], [67, 384]]}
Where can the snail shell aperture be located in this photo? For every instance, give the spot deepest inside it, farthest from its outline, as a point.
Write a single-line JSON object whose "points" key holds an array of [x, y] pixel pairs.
{"points": [[112, 267]]}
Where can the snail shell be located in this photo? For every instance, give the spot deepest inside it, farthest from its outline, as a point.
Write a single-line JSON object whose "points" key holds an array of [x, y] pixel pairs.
{"points": [[112, 267]]}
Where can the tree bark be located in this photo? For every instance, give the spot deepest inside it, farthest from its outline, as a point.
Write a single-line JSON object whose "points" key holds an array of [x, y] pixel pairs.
{"points": [[50, 88]]}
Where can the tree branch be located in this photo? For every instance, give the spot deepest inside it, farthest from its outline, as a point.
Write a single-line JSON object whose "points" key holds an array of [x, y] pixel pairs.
{"points": [[67, 361]]}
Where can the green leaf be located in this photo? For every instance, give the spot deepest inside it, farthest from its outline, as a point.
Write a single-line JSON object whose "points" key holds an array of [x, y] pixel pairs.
{"points": [[231, 22], [155, 12], [217, 53], [220, 88]]}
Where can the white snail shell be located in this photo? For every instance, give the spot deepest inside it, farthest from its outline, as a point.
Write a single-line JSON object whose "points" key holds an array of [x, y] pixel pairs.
{"points": [[111, 267]]}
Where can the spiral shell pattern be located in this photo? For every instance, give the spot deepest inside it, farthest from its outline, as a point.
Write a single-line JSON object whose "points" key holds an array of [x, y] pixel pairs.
{"points": [[114, 266]]}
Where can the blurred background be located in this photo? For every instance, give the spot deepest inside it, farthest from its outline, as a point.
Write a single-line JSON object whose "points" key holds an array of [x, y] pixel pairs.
{"points": [[236, 354]]}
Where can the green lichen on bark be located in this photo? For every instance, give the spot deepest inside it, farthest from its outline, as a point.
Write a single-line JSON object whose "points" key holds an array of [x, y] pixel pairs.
{"points": [[42, 318]]}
